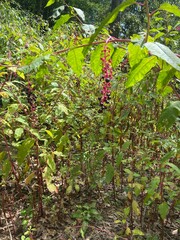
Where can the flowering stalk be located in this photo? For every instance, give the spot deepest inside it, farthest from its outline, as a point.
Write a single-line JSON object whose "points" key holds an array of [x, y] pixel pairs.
{"points": [[107, 76]]}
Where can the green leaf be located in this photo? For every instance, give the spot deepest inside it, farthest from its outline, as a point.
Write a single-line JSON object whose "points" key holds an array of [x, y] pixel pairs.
{"points": [[74, 59], [137, 232], [63, 19], [24, 149], [169, 115], [164, 53], [51, 162], [163, 78], [109, 19], [35, 64], [6, 168], [50, 2], [109, 173], [135, 208], [49, 133], [95, 61], [51, 187], [117, 56], [136, 54], [62, 108], [69, 189], [137, 74], [163, 210], [170, 8], [18, 133]]}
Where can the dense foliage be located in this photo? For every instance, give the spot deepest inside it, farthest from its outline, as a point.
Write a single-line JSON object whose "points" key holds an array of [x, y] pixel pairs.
{"points": [[88, 122]]}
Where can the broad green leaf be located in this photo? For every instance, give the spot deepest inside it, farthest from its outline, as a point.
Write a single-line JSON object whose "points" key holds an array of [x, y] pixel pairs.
{"points": [[51, 162], [50, 2], [137, 232], [75, 60], [24, 150], [164, 53], [170, 8], [63, 19], [109, 19], [163, 78], [136, 54], [18, 133], [138, 73], [95, 61], [163, 210], [169, 115], [109, 173], [117, 56], [135, 208]]}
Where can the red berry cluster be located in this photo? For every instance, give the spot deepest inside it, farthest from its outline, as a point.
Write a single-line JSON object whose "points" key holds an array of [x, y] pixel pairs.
{"points": [[107, 77]]}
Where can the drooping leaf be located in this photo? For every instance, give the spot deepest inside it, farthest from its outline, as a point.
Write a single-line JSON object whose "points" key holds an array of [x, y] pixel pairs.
{"points": [[109, 19], [95, 61], [169, 115], [164, 53], [109, 173], [170, 8], [163, 210], [75, 60], [63, 19], [138, 73], [24, 149]]}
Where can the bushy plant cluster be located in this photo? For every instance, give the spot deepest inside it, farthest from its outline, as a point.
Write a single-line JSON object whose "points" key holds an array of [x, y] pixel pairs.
{"points": [[54, 139]]}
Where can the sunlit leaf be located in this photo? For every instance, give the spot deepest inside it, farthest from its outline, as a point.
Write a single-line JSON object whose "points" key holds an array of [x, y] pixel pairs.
{"points": [[170, 8], [137, 74], [50, 2], [75, 60], [164, 53]]}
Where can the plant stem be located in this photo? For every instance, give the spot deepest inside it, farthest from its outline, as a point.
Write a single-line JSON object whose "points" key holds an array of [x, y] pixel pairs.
{"points": [[148, 19]]}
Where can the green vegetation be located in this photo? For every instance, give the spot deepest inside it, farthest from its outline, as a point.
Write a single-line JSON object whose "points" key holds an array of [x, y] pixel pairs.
{"points": [[89, 125]]}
